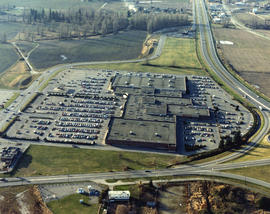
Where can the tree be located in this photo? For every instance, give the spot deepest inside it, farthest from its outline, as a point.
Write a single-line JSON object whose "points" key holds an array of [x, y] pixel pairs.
{"points": [[263, 203], [115, 25], [237, 139], [104, 27], [150, 26], [221, 144], [4, 38], [151, 183]]}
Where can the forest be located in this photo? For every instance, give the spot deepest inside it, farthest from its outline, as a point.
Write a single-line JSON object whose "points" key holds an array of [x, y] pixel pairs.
{"points": [[84, 22]]}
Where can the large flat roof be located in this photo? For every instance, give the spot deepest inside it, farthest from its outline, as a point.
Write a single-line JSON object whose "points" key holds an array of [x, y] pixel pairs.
{"points": [[188, 111], [174, 83], [142, 131]]}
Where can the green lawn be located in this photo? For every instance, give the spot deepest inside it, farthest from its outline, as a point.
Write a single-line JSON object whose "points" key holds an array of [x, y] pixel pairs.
{"points": [[71, 205], [48, 160], [8, 56], [125, 45], [179, 52]]}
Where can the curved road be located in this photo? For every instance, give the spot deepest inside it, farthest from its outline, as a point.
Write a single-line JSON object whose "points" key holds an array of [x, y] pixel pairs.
{"points": [[209, 53]]}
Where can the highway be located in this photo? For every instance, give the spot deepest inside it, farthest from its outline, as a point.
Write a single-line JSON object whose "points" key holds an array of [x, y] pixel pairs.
{"points": [[211, 168], [208, 51], [185, 170]]}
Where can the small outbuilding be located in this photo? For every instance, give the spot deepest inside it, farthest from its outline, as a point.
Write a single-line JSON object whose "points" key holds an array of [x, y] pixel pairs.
{"points": [[119, 195]]}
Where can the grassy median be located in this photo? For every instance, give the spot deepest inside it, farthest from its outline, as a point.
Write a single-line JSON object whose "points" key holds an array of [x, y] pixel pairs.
{"points": [[258, 172]]}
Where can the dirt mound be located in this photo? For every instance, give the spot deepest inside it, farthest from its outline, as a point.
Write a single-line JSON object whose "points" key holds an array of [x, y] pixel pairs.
{"points": [[22, 200], [148, 47]]}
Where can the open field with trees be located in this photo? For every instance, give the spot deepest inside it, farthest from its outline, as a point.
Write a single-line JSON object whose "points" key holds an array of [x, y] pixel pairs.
{"points": [[70, 204], [59, 4], [125, 45], [195, 197], [11, 29], [248, 56], [252, 21], [49, 160]]}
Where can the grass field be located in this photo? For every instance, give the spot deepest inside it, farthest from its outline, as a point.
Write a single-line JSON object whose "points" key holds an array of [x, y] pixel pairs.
{"points": [[249, 19], [8, 57], [261, 151], [25, 47], [178, 52], [184, 62], [249, 56], [16, 76], [125, 45], [258, 172], [11, 29], [46, 160], [71, 204]]}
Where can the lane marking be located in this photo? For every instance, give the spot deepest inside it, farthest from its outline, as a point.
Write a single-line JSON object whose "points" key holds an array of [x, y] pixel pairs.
{"points": [[253, 99]]}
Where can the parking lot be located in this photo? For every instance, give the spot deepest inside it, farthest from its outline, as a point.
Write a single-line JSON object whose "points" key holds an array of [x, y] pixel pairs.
{"points": [[76, 107], [51, 192], [77, 111], [227, 115]]}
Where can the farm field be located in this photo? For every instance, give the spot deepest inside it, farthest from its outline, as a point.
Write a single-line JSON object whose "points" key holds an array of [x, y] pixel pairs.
{"points": [[70, 204], [249, 55], [264, 32], [8, 57], [125, 45], [49, 160]]}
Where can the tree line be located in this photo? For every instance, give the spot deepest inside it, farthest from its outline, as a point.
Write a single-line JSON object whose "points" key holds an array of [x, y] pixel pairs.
{"points": [[85, 22]]}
